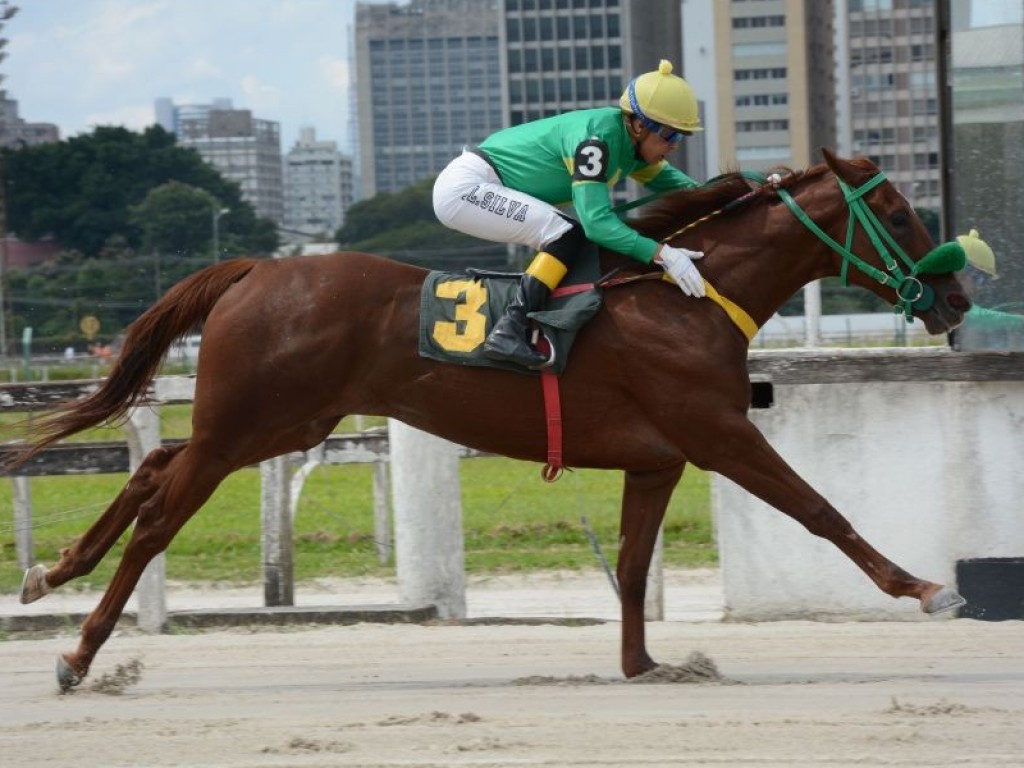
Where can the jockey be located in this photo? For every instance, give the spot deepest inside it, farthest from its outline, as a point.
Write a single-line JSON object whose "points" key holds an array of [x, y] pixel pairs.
{"points": [[506, 189], [984, 327]]}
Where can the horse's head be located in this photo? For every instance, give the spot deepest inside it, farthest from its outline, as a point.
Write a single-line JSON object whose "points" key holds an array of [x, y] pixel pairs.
{"points": [[888, 250], [856, 225]]}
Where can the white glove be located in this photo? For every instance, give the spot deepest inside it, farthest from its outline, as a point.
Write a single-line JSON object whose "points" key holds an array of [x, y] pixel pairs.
{"points": [[678, 262]]}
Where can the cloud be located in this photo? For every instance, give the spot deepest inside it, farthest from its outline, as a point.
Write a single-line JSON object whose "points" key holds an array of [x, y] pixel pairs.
{"points": [[202, 67], [259, 94], [335, 73], [87, 62], [110, 43]]}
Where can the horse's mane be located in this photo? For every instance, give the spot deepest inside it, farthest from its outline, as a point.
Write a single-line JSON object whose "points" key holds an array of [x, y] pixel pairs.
{"points": [[674, 211]]}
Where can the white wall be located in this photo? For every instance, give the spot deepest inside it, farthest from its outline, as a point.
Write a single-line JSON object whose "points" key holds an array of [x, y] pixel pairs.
{"points": [[928, 472]]}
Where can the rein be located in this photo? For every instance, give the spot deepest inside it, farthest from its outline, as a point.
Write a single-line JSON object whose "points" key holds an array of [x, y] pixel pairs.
{"points": [[911, 293]]}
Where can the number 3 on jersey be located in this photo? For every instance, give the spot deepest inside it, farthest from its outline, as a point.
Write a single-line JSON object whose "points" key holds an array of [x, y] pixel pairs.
{"points": [[470, 326], [591, 161]]}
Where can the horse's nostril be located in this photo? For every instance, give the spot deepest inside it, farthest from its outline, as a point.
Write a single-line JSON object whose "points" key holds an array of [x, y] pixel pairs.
{"points": [[959, 302]]}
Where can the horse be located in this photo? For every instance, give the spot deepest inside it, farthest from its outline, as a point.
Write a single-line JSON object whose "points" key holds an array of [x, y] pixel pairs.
{"points": [[657, 380]]}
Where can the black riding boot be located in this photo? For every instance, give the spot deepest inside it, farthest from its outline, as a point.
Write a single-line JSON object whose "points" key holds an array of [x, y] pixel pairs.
{"points": [[509, 339]]}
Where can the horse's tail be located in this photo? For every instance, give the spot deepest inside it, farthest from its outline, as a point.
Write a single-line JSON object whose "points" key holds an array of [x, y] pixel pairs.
{"points": [[145, 344]]}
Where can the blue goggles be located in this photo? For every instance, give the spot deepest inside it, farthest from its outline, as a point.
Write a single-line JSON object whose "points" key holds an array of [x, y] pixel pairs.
{"points": [[979, 276], [667, 133]]}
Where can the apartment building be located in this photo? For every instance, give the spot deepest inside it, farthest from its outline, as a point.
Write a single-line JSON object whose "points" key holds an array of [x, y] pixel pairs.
{"points": [[15, 131], [242, 148], [891, 92], [775, 91], [434, 75], [429, 78], [318, 188]]}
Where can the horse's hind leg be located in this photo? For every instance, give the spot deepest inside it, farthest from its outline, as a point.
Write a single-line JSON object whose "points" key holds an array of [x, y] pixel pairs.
{"points": [[179, 487], [644, 500], [88, 550]]}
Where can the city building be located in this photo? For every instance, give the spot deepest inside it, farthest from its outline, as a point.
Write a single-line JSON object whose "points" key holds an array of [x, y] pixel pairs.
{"points": [[889, 94], [435, 75], [429, 81], [170, 116], [775, 92], [242, 148], [17, 132], [563, 55], [318, 188]]}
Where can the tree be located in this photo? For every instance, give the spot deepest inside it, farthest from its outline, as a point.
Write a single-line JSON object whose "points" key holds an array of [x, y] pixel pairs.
{"points": [[83, 191], [402, 225], [175, 218], [133, 212]]}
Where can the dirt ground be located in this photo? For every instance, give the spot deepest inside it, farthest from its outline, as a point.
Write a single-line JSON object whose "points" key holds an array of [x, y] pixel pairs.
{"points": [[937, 693]]}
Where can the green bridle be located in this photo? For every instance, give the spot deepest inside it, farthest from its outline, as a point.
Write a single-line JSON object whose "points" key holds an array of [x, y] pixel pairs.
{"points": [[911, 293]]}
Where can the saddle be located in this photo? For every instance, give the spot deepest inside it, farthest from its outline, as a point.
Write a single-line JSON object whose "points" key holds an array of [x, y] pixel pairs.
{"points": [[458, 310]]}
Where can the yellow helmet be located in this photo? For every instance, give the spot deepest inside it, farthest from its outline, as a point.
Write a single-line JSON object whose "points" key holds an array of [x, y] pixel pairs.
{"points": [[979, 254], [663, 98]]}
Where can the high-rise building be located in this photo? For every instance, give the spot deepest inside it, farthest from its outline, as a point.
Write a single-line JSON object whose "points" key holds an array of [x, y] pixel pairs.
{"points": [[318, 187], [17, 132], [169, 115], [890, 94], [775, 82], [573, 54], [564, 55], [434, 75], [242, 148], [429, 80]]}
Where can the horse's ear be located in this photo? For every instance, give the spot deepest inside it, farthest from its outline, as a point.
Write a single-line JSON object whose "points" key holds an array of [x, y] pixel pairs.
{"points": [[853, 173]]}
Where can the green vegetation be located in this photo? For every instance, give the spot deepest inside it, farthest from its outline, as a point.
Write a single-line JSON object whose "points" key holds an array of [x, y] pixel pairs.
{"points": [[512, 521], [87, 189], [403, 226], [132, 214]]}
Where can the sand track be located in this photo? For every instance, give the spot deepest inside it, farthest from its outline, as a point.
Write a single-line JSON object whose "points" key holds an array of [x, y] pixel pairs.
{"points": [[935, 693]]}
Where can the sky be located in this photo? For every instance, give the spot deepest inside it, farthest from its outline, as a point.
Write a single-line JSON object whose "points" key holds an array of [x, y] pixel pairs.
{"points": [[84, 63]]}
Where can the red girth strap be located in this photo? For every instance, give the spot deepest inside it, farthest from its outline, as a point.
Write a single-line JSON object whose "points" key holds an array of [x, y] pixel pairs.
{"points": [[553, 412], [552, 401]]}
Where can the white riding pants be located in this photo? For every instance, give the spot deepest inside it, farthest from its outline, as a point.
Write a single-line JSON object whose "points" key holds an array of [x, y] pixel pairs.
{"points": [[469, 197]]}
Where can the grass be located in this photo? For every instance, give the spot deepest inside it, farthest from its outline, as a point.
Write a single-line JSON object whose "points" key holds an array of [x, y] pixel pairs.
{"points": [[512, 520]]}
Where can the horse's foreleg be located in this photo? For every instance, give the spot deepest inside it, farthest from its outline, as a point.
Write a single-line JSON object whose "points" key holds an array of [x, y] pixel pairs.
{"points": [[644, 500], [179, 489], [88, 550], [754, 465]]}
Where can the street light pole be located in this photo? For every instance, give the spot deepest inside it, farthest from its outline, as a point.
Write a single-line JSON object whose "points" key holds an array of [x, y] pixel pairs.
{"points": [[217, 213]]}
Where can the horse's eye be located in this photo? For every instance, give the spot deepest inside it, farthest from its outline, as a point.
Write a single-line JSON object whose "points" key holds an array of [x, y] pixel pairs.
{"points": [[899, 220]]}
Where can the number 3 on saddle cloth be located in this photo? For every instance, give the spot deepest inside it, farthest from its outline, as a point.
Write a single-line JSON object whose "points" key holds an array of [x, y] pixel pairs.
{"points": [[458, 310]]}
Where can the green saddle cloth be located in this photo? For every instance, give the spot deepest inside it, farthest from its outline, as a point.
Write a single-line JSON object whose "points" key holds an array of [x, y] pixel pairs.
{"points": [[458, 310]]}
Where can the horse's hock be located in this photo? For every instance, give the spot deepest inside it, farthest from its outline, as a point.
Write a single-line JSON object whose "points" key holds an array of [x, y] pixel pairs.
{"points": [[921, 449]]}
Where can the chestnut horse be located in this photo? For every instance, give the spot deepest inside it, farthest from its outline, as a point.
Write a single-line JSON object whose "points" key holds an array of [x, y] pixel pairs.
{"points": [[656, 380]]}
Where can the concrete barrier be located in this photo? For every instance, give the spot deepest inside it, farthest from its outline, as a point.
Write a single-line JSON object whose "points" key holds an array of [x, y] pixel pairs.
{"points": [[921, 449]]}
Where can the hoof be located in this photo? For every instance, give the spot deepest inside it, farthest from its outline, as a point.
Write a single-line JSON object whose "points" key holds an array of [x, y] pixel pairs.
{"points": [[34, 585], [67, 678], [945, 599]]}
